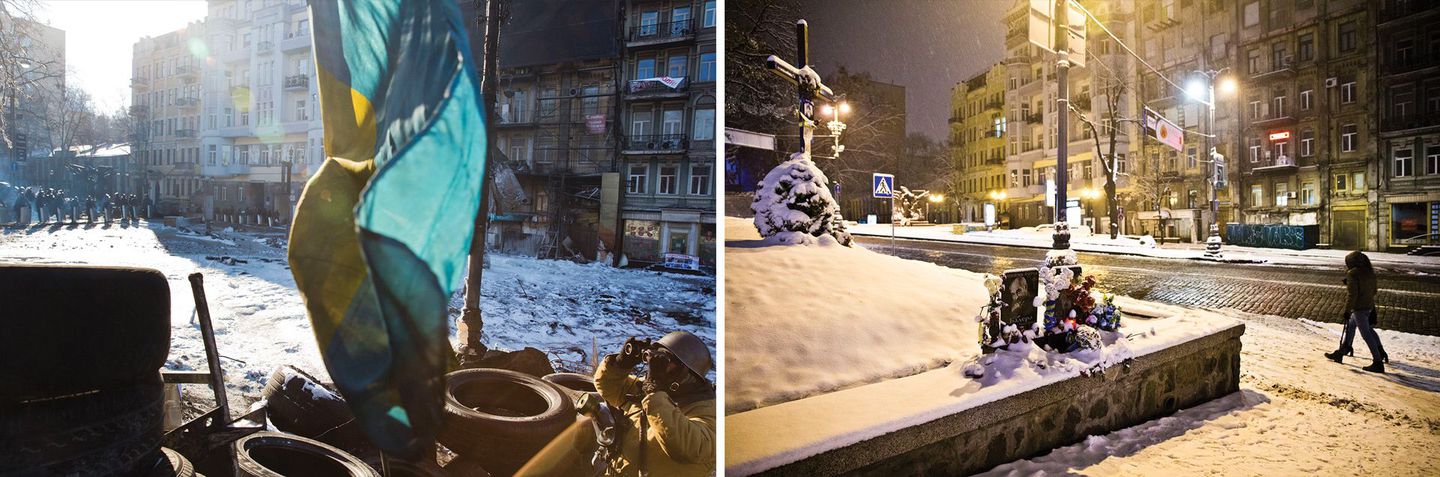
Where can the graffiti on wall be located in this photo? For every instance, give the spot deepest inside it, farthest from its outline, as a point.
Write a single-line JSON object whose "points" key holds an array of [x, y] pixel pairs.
{"points": [[1297, 237]]}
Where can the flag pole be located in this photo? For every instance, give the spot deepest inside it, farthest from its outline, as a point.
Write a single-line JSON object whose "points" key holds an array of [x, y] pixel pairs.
{"points": [[471, 322]]}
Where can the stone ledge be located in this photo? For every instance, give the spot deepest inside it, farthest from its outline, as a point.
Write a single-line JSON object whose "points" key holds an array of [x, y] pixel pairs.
{"points": [[1034, 422]]}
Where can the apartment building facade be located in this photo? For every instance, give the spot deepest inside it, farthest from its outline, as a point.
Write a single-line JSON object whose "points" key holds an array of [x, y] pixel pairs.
{"points": [[261, 136], [1032, 119], [1187, 42], [165, 89], [1308, 121], [27, 158], [669, 120], [1408, 73], [977, 138]]}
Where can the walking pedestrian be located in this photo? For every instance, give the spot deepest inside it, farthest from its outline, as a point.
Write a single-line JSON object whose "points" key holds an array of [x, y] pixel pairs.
{"points": [[1360, 312]]}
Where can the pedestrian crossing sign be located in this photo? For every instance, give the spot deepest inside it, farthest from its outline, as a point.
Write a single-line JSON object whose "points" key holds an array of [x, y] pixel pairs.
{"points": [[883, 186]]}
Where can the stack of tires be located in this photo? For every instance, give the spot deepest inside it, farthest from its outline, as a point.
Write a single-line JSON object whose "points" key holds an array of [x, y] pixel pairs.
{"points": [[80, 355], [498, 418]]}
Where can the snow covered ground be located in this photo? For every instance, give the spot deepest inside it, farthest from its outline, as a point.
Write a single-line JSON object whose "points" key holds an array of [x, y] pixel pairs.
{"points": [[799, 367], [1101, 243], [558, 307]]}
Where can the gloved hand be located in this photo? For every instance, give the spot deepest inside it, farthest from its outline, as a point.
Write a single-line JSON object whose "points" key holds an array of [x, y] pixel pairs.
{"points": [[632, 352]]}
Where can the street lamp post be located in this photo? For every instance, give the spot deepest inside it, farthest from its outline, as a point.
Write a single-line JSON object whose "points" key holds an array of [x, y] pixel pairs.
{"points": [[1213, 242]]}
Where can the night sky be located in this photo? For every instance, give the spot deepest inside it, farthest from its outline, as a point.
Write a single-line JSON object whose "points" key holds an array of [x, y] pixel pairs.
{"points": [[924, 45]]}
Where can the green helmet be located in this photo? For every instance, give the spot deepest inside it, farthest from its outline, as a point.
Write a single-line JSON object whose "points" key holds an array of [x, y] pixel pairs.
{"points": [[689, 350]]}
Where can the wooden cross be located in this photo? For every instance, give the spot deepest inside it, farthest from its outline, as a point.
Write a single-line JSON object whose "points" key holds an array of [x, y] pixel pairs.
{"points": [[807, 82]]}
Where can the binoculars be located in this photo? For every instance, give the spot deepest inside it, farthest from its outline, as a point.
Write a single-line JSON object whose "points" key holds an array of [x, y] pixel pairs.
{"points": [[646, 351]]}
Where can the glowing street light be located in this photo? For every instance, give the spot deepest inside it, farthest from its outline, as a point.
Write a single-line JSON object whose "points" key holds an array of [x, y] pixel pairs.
{"points": [[827, 110], [937, 198], [1228, 86], [844, 107]]}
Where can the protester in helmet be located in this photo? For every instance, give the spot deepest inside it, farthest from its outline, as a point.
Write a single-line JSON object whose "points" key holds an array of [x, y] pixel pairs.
{"points": [[672, 409]]}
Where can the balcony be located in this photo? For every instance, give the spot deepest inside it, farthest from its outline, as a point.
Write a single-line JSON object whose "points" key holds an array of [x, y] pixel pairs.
{"points": [[297, 82], [139, 110], [295, 40], [661, 33], [1284, 70], [187, 71], [509, 118], [265, 47], [188, 102], [656, 144], [662, 87], [140, 82], [1410, 121], [1034, 118], [1279, 164], [185, 133], [1272, 121]]}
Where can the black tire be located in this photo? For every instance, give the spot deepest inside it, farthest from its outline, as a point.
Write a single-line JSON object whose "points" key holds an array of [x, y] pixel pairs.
{"points": [[172, 464], [293, 407], [401, 468], [68, 330], [118, 430], [274, 454], [517, 415], [465, 467]]}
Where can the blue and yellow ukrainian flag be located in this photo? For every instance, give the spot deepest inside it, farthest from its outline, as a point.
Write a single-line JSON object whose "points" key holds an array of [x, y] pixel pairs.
{"points": [[382, 231]]}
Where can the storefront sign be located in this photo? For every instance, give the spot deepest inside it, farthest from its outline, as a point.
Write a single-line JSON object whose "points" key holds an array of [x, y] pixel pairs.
{"points": [[1280, 136], [595, 123]]}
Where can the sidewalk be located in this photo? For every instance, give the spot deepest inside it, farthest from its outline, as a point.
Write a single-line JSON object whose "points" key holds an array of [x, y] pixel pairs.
{"points": [[1029, 237]]}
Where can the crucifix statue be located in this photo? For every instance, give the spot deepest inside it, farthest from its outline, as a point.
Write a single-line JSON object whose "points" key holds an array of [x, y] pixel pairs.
{"points": [[807, 82]]}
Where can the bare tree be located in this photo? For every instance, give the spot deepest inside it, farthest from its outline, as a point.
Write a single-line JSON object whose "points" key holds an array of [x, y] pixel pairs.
{"points": [[1107, 130], [756, 99], [69, 116], [25, 64]]}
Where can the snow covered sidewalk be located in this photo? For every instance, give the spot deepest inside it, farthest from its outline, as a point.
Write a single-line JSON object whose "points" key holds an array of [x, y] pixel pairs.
{"points": [[1296, 414], [1101, 243]]}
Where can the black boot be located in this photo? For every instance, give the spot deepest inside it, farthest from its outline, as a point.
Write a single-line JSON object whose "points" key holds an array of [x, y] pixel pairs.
{"points": [[1375, 367], [1337, 356]]}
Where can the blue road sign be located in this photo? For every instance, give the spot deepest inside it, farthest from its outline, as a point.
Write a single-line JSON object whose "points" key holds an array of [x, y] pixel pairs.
{"points": [[882, 186]]}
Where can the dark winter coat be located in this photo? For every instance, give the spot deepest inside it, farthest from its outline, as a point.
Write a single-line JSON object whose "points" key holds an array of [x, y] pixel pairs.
{"points": [[1360, 281]]}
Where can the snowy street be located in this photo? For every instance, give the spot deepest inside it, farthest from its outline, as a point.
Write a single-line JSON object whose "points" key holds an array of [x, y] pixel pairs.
{"points": [[561, 308], [1407, 300]]}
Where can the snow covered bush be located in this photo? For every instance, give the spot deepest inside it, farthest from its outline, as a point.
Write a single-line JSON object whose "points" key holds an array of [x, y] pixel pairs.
{"points": [[793, 205]]}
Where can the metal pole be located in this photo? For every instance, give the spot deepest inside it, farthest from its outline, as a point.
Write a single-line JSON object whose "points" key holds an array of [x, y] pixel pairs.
{"points": [[1213, 242], [470, 317], [892, 217], [1062, 140], [212, 354], [807, 107]]}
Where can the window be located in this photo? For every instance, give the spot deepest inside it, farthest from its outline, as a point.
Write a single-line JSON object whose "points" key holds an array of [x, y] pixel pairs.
{"points": [[1307, 143], [1348, 135], [1402, 101], [639, 175], [301, 114], [1432, 163], [648, 22], [1252, 14], [1190, 159], [700, 179], [680, 21], [1254, 110], [1278, 57], [645, 68], [1347, 92], [1025, 177], [640, 122], [1307, 194], [707, 68], [1307, 47], [1281, 150], [1357, 181], [1257, 195], [210, 158], [673, 122], [1253, 62], [1279, 111], [667, 183], [1404, 52], [1254, 150], [1217, 45], [704, 125], [1404, 163], [1305, 100], [709, 15], [677, 64], [1346, 37], [1341, 181]]}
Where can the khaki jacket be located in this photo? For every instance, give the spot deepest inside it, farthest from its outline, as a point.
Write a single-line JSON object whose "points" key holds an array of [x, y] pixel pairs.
{"points": [[680, 440]]}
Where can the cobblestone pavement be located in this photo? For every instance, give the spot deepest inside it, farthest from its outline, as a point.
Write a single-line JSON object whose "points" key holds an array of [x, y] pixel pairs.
{"points": [[1406, 302]]}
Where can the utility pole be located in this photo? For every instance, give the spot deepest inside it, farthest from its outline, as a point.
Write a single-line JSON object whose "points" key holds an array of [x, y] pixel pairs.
{"points": [[471, 322], [1062, 140]]}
